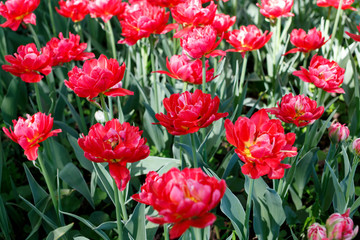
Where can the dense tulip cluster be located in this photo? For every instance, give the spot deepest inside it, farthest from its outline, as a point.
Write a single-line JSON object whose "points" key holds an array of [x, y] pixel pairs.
{"points": [[261, 144], [29, 132], [182, 198], [116, 144]]}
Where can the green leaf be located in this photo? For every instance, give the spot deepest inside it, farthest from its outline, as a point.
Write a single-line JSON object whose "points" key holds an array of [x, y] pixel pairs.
{"points": [[37, 191], [79, 153], [339, 202], [88, 224], [72, 176], [59, 232], [268, 212], [136, 224], [4, 220], [106, 181], [152, 163]]}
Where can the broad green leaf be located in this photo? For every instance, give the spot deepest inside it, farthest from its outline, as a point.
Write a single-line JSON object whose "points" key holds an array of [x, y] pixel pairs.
{"points": [[136, 224], [107, 225], [37, 191], [88, 224], [339, 202], [105, 180], [4, 221], [152, 163], [79, 153], [59, 232], [72, 176]]}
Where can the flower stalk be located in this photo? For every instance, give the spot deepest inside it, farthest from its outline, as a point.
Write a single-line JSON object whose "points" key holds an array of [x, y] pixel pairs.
{"points": [[248, 208]]}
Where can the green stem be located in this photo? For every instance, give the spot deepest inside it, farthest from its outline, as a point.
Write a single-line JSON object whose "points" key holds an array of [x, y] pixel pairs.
{"points": [[248, 208], [184, 87], [304, 85], [117, 209], [38, 99], [78, 29], [203, 74], [123, 208], [110, 38], [197, 233], [153, 76], [51, 17], [81, 112], [243, 70], [333, 35], [104, 108], [166, 232], [194, 149], [35, 37], [48, 182]]}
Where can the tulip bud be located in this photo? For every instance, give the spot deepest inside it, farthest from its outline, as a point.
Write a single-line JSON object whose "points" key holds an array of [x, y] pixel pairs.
{"points": [[338, 132], [356, 146], [316, 232], [340, 226]]}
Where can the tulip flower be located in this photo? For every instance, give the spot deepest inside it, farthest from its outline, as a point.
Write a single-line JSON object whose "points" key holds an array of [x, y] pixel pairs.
{"points": [[274, 9], [261, 144], [356, 146], [247, 38], [306, 42], [29, 132], [141, 20], [324, 74], [354, 36], [299, 110], [74, 9], [18, 11], [106, 9], [65, 50], [188, 112], [191, 14], [201, 42], [222, 23], [316, 232], [116, 144], [28, 63], [181, 68], [97, 76], [165, 3], [338, 132], [182, 198], [340, 226], [346, 4]]}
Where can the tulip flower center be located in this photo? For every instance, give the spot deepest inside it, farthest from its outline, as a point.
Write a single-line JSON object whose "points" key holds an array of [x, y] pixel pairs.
{"points": [[113, 138]]}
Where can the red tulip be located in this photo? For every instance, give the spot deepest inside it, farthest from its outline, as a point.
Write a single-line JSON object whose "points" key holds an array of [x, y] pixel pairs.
{"points": [[181, 68], [354, 36], [116, 144], [276, 8], [165, 3], [316, 232], [65, 50], [106, 9], [28, 63], [191, 14], [261, 144], [247, 38], [141, 20], [306, 42], [188, 112], [97, 76], [18, 11], [222, 23], [324, 74], [201, 42], [299, 110], [356, 146], [338, 132], [29, 132], [74, 9], [340, 226], [346, 4], [182, 198]]}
